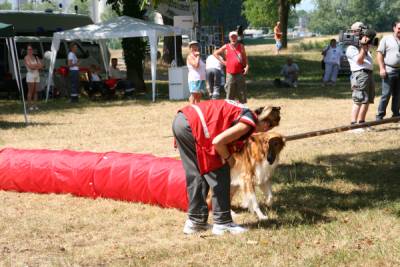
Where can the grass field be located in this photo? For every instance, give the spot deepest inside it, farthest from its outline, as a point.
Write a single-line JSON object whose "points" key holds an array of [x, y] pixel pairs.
{"points": [[337, 197]]}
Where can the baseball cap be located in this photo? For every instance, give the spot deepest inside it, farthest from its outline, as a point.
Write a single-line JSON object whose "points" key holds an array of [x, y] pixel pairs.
{"points": [[357, 25], [193, 43], [233, 33]]}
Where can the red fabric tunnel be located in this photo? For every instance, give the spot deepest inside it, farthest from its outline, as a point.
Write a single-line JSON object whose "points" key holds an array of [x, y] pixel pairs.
{"points": [[122, 176]]}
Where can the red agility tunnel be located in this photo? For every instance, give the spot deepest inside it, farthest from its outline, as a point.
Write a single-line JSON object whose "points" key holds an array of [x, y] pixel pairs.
{"points": [[122, 176]]}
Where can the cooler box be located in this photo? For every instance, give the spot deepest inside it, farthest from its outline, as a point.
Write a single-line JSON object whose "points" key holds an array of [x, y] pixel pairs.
{"points": [[178, 83]]}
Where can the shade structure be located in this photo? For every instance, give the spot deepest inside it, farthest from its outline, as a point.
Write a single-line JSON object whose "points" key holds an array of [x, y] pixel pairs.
{"points": [[119, 27], [7, 33], [122, 176]]}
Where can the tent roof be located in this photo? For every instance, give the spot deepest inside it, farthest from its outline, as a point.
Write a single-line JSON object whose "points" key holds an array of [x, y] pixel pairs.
{"points": [[6, 30], [119, 27]]}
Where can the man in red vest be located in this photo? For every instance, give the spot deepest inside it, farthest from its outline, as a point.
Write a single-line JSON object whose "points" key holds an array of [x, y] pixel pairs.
{"points": [[206, 134], [236, 68]]}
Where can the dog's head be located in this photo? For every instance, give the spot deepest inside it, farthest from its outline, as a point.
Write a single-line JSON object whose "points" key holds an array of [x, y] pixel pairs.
{"points": [[266, 145]]}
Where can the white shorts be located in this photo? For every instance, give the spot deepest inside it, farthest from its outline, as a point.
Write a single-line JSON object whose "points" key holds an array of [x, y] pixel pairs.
{"points": [[32, 77]]}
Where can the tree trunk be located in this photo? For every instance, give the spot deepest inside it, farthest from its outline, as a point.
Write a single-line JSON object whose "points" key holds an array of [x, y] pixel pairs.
{"points": [[134, 48], [169, 46], [284, 19]]}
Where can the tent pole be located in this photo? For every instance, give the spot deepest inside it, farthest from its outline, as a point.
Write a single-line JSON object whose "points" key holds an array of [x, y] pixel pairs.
{"points": [[13, 50], [176, 57]]}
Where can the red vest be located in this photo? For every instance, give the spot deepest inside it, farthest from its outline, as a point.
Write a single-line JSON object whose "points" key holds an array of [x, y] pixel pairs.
{"points": [[233, 65], [216, 116]]}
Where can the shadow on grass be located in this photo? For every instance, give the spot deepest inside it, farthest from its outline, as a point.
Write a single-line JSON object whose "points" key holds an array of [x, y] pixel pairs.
{"points": [[365, 181], [17, 125]]}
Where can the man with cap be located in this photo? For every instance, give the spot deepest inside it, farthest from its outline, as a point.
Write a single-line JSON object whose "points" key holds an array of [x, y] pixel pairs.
{"points": [[388, 56], [206, 134], [236, 68], [361, 79]]}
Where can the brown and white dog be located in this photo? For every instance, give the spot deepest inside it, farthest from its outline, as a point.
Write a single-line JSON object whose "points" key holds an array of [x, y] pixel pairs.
{"points": [[254, 166]]}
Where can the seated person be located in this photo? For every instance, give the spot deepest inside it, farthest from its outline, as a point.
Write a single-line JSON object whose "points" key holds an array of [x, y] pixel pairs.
{"points": [[123, 84], [290, 73], [96, 85]]}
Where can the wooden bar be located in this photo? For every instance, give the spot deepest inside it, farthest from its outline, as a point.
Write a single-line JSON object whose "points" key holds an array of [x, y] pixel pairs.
{"points": [[341, 129]]}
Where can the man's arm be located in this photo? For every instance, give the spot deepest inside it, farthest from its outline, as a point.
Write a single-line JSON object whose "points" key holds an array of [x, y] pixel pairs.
{"points": [[245, 61], [382, 70], [219, 53]]}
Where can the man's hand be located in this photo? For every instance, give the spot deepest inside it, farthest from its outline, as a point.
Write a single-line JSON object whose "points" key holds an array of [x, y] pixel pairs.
{"points": [[382, 73], [196, 54], [246, 70], [364, 41]]}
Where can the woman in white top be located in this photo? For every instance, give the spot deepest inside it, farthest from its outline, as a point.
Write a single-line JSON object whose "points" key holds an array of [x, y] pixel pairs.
{"points": [[33, 65], [197, 73]]}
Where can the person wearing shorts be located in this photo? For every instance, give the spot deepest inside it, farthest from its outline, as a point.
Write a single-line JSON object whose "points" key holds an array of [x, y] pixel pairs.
{"points": [[197, 73], [278, 37], [362, 83], [33, 65]]}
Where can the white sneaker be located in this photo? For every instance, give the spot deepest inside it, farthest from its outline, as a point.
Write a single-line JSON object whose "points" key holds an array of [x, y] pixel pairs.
{"points": [[220, 229], [191, 228], [357, 131]]}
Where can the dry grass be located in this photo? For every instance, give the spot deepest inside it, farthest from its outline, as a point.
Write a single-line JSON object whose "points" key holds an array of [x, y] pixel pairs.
{"points": [[336, 197]]}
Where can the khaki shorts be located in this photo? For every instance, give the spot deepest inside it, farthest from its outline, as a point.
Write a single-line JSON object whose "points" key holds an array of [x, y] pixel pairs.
{"points": [[363, 87]]}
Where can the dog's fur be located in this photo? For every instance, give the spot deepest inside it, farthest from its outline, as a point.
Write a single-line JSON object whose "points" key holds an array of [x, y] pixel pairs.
{"points": [[254, 165]]}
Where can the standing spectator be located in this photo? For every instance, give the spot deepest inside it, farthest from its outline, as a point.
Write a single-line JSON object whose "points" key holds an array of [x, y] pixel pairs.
{"points": [[388, 57], [122, 83], [197, 73], [332, 54], [214, 74], [361, 79], [33, 66], [290, 73], [236, 68], [278, 37], [73, 64]]}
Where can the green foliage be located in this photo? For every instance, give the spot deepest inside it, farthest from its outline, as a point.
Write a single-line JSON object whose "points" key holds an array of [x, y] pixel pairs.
{"points": [[5, 6], [331, 16], [310, 45], [83, 7], [262, 13]]}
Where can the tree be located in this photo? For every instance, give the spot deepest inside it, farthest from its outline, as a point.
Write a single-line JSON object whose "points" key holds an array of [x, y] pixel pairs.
{"points": [[5, 6], [331, 16], [134, 48], [267, 12]]}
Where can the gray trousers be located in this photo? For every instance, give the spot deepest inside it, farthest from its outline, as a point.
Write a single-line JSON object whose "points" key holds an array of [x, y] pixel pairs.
{"points": [[235, 87], [198, 185], [214, 82]]}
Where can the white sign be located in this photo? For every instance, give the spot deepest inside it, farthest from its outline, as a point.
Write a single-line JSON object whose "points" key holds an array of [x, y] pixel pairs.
{"points": [[179, 8], [184, 22]]}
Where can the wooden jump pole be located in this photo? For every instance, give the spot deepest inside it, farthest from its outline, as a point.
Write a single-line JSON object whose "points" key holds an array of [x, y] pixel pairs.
{"points": [[340, 129]]}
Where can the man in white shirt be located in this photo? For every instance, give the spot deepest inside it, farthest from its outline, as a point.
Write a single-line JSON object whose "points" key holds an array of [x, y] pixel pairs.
{"points": [[123, 84], [73, 64], [332, 54], [290, 73], [361, 79], [214, 75], [388, 56]]}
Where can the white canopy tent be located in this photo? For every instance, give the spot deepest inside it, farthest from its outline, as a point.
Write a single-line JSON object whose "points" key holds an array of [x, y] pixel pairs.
{"points": [[119, 27]]}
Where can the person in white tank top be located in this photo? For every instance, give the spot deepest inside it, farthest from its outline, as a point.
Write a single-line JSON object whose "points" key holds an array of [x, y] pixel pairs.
{"points": [[33, 66], [197, 73]]}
